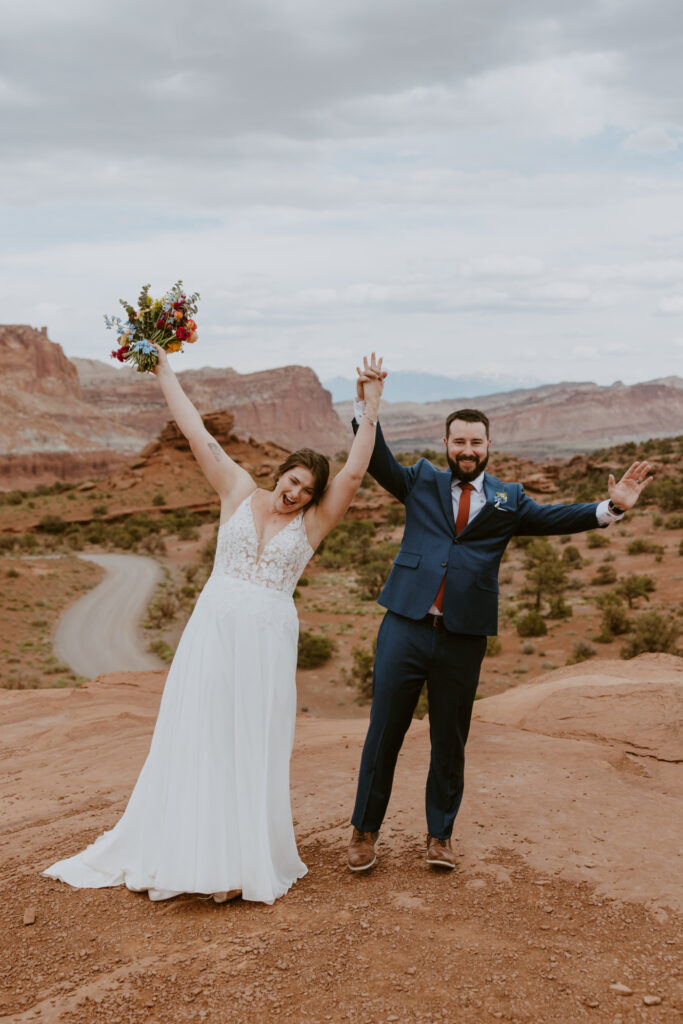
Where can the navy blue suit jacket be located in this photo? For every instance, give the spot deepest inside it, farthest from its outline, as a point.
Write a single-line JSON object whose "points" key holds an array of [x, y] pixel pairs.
{"points": [[471, 560]]}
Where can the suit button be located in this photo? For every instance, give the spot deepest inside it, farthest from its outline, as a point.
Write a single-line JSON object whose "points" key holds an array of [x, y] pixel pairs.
{"points": [[444, 564], [456, 541]]}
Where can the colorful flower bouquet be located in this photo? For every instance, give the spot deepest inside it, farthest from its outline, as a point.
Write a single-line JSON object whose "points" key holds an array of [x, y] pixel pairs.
{"points": [[167, 321]]}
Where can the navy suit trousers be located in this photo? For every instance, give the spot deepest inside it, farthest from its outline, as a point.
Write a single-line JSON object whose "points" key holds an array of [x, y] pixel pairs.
{"points": [[408, 654]]}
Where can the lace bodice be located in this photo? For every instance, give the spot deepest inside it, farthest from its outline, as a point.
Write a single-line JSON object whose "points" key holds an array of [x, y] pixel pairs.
{"points": [[282, 560]]}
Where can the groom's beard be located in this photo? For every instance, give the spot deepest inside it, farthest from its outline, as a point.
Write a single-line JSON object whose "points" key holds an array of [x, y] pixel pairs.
{"points": [[466, 475]]}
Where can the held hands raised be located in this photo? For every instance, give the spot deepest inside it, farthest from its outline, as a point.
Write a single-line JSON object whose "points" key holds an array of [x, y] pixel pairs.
{"points": [[625, 492], [370, 380]]}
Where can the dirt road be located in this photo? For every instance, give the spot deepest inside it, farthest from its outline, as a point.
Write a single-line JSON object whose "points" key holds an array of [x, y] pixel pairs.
{"points": [[101, 632]]}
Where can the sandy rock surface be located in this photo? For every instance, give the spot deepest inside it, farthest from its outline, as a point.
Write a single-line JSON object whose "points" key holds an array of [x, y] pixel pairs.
{"points": [[567, 890]]}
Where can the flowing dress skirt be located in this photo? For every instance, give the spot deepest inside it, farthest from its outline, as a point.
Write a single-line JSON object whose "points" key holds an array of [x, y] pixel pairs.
{"points": [[211, 808]]}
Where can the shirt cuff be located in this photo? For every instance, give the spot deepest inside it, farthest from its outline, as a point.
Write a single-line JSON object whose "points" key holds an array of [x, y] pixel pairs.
{"points": [[604, 516], [358, 409]]}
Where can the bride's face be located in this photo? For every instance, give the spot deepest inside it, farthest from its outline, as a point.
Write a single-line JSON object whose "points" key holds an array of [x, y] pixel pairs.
{"points": [[294, 490]]}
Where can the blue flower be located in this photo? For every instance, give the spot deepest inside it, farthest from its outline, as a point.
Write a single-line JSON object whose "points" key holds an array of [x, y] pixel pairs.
{"points": [[143, 347]]}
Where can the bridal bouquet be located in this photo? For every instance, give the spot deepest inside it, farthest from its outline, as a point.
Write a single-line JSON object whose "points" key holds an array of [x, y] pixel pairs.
{"points": [[167, 321]]}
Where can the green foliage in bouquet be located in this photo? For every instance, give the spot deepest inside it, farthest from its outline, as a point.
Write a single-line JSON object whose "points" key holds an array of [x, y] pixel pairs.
{"points": [[168, 322]]}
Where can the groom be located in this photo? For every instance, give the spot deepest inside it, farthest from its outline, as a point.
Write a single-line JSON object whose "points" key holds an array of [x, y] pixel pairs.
{"points": [[442, 601]]}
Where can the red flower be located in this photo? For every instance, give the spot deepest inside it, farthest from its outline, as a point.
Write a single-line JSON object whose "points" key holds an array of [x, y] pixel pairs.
{"points": [[178, 305], [161, 321], [181, 333]]}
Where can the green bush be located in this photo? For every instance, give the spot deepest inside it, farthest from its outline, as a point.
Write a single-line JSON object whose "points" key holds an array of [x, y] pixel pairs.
{"points": [[347, 544], [640, 546], [559, 609], [494, 646], [571, 556], [667, 493], [314, 649], [581, 651], [674, 522], [373, 569], [636, 585], [615, 620], [52, 524], [597, 539], [363, 659], [158, 500], [653, 632], [162, 650], [531, 624], [605, 575]]}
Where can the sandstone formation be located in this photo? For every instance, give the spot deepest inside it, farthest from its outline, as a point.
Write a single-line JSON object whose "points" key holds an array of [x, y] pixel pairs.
{"points": [[286, 405], [552, 420], [47, 431]]}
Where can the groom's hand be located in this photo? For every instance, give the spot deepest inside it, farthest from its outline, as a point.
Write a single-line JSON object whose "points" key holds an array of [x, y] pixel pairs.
{"points": [[625, 492]]}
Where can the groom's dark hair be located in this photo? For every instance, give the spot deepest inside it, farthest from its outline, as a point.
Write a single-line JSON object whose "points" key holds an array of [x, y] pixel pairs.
{"points": [[468, 416], [318, 465]]}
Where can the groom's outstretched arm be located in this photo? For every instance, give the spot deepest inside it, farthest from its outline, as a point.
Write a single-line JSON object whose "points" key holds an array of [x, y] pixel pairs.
{"points": [[385, 469]]}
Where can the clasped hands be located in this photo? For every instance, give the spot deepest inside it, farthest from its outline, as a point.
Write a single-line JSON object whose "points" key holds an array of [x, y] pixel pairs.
{"points": [[370, 380]]}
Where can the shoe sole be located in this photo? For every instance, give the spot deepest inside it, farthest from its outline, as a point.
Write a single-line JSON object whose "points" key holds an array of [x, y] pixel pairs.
{"points": [[441, 864], [363, 867]]}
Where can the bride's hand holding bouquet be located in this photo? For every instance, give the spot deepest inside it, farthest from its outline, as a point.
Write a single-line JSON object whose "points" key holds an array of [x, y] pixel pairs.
{"points": [[165, 323]]}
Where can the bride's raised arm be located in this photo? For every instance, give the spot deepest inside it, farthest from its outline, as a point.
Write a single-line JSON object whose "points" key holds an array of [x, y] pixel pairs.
{"points": [[324, 516], [231, 481]]}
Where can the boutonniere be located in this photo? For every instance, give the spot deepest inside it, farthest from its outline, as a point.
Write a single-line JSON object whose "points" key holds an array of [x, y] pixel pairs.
{"points": [[501, 497]]}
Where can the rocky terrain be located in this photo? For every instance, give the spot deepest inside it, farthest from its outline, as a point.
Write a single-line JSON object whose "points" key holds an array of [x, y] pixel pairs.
{"points": [[555, 420], [565, 905]]}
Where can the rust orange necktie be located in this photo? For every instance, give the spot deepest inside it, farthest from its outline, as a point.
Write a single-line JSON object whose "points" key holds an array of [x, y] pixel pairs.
{"points": [[461, 521]]}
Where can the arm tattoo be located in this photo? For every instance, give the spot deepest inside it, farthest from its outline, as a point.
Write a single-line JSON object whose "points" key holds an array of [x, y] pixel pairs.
{"points": [[216, 451]]}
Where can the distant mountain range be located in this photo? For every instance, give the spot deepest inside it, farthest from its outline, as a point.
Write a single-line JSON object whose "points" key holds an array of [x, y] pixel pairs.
{"points": [[415, 386]]}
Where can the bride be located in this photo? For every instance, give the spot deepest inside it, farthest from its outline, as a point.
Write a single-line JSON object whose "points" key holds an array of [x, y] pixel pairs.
{"points": [[210, 812]]}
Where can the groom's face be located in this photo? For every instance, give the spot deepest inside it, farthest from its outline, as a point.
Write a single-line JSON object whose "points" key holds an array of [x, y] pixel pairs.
{"points": [[467, 449]]}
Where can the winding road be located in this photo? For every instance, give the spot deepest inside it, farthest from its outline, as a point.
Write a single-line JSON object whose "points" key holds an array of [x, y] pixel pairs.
{"points": [[101, 632]]}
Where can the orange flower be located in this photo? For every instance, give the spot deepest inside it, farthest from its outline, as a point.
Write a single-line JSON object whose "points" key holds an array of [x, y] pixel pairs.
{"points": [[191, 326], [174, 346], [193, 337]]}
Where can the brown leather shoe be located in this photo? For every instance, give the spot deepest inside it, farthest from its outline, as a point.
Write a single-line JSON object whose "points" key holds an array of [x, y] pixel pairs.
{"points": [[362, 854], [440, 853]]}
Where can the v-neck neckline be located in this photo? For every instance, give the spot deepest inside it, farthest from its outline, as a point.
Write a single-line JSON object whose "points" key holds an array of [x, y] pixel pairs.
{"points": [[259, 554]]}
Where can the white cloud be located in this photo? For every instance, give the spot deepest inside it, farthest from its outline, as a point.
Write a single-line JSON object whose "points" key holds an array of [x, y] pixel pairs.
{"points": [[671, 304], [653, 140]]}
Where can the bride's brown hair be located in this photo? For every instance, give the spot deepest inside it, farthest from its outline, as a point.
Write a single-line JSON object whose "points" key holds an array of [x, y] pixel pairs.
{"points": [[315, 462]]}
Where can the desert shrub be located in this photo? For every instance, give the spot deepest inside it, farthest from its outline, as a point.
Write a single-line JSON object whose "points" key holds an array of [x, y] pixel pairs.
{"points": [[100, 510], [680, 547], [641, 546], [597, 539], [153, 544], [395, 514], [52, 524], [158, 500], [605, 575], [581, 651], [528, 647], [374, 569], [653, 632], [571, 556], [674, 522], [28, 542], [560, 609], [363, 660], [7, 542], [14, 497], [162, 650], [347, 543], [615, 620], [96, 533], [494, 646], [522, 541], [304, 581], [162, 609], [314, 649], [545, 573], [12, 573], [667, 493], [531, 624], [636, 585]]}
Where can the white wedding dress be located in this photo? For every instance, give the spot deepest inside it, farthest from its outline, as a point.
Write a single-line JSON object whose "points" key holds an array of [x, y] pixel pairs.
{"points": [[211, 810]]}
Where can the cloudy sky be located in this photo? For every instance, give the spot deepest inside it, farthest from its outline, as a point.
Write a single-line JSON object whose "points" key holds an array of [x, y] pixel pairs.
{"points": [[466, 185]]}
